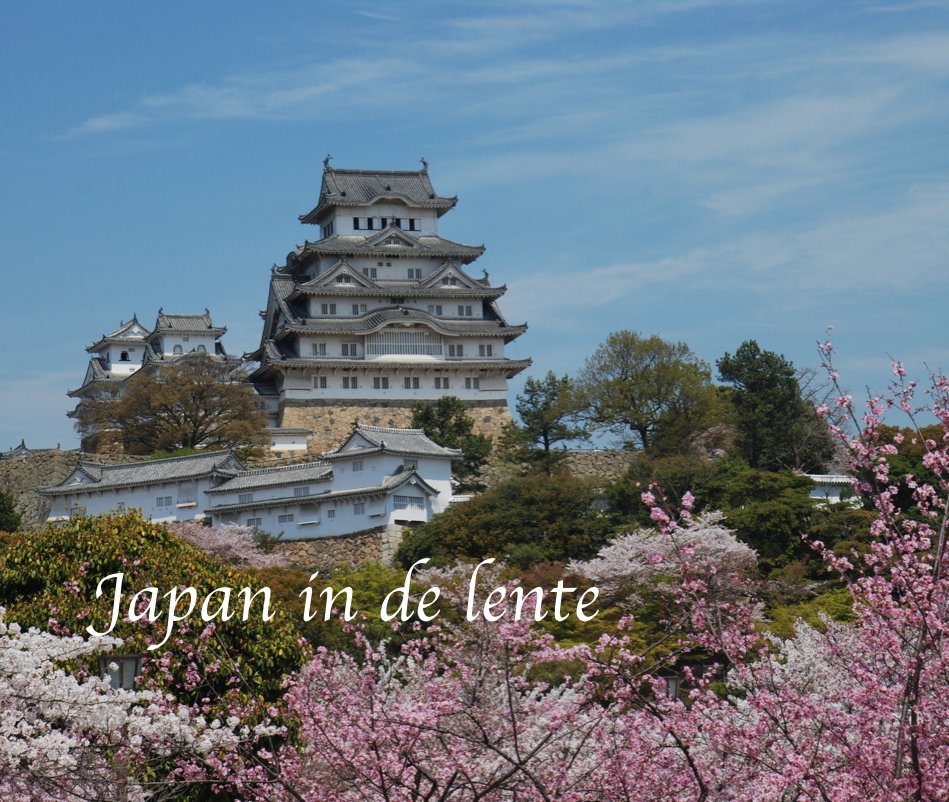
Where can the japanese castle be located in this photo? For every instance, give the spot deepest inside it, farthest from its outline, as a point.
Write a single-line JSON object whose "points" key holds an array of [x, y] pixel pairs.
{"points": [[381, 312]]}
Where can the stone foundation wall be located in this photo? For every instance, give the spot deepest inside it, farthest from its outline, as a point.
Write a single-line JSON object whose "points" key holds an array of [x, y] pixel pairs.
{"points": [[334, 552], [610, 464], [332, 421], [20, 477]]}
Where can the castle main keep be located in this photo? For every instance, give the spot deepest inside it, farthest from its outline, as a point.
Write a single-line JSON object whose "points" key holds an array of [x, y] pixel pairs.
{"points": [[381, 313]]}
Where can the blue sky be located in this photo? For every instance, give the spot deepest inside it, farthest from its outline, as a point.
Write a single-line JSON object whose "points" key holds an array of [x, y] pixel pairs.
{"points": [[707, 171]]}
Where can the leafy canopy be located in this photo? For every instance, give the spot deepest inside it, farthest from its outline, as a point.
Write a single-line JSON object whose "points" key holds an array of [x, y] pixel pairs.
{"points": [[196, 402], [548, 409], [447, 422], [775, 428], [657, 391], [9, 516], [526, 519]]}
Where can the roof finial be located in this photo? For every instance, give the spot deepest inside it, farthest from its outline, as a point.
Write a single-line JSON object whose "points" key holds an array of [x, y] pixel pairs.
{"points": [[424, 162], [327, 160]]}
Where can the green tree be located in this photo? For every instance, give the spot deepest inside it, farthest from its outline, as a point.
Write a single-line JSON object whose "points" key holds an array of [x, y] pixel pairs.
{"points": [[775, 428], [657, 391], [447, 422], [548, 410], [9, 517], [527, 519], [196, 402]]}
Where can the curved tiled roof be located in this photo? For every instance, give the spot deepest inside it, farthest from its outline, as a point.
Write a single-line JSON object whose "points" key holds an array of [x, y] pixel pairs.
{"points": [[270, 357], [282, 474], [188, 324], [130, 333], [380, 318], [363, 187], [372, 246], [398, 441], [93, 476]]}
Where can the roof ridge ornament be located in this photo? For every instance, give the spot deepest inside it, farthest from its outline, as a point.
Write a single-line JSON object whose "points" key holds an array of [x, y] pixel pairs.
{"points": [[327, 160], [424, 162]]}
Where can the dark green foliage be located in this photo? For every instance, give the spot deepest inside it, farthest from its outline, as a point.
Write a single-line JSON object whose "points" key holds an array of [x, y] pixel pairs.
{"points": [[655, 391], [9, 517], [55, 572], [447, 422], [529, 519], [775, 428], [548, 410]]}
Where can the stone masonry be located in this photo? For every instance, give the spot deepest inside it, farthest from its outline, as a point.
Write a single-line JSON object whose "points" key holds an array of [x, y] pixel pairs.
{"points": [[332, 422]]}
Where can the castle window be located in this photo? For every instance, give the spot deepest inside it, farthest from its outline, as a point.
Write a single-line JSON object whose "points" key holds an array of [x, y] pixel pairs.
{"points": [[397, 300], [350, 349], [369, 223], [485, 350], [357, 465], [415, 272], [397, 222], [441, 383], [344, 279], [413, 224], [456, 350], [301, 492], [245, 498], [380, 382], [177, 350], [472, 383], [449, 281], [319, 382], [464, 311], [359, 309], [411, 382], [319, 349], [124, 356], [434, 309], [331, 513], [359, 508], [285, 519], [370, 272], [254, 523], [356, 223], [392, 241], [350, 383], [328, 309], [201, 349], [408, 502]]}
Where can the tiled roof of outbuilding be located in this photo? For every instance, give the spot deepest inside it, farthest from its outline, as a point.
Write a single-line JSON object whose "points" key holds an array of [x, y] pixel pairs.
{"points": [[94, 476], [279, 475], [188, 324], [398, 441]]}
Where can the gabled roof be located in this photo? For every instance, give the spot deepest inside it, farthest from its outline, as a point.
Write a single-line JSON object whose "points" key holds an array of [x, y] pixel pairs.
{"points": [[94, 476], [280, 475], [187, 324], [341, 268], [126, 334], [365, 187], [411, 442], [427, 246], [447, 269]]}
